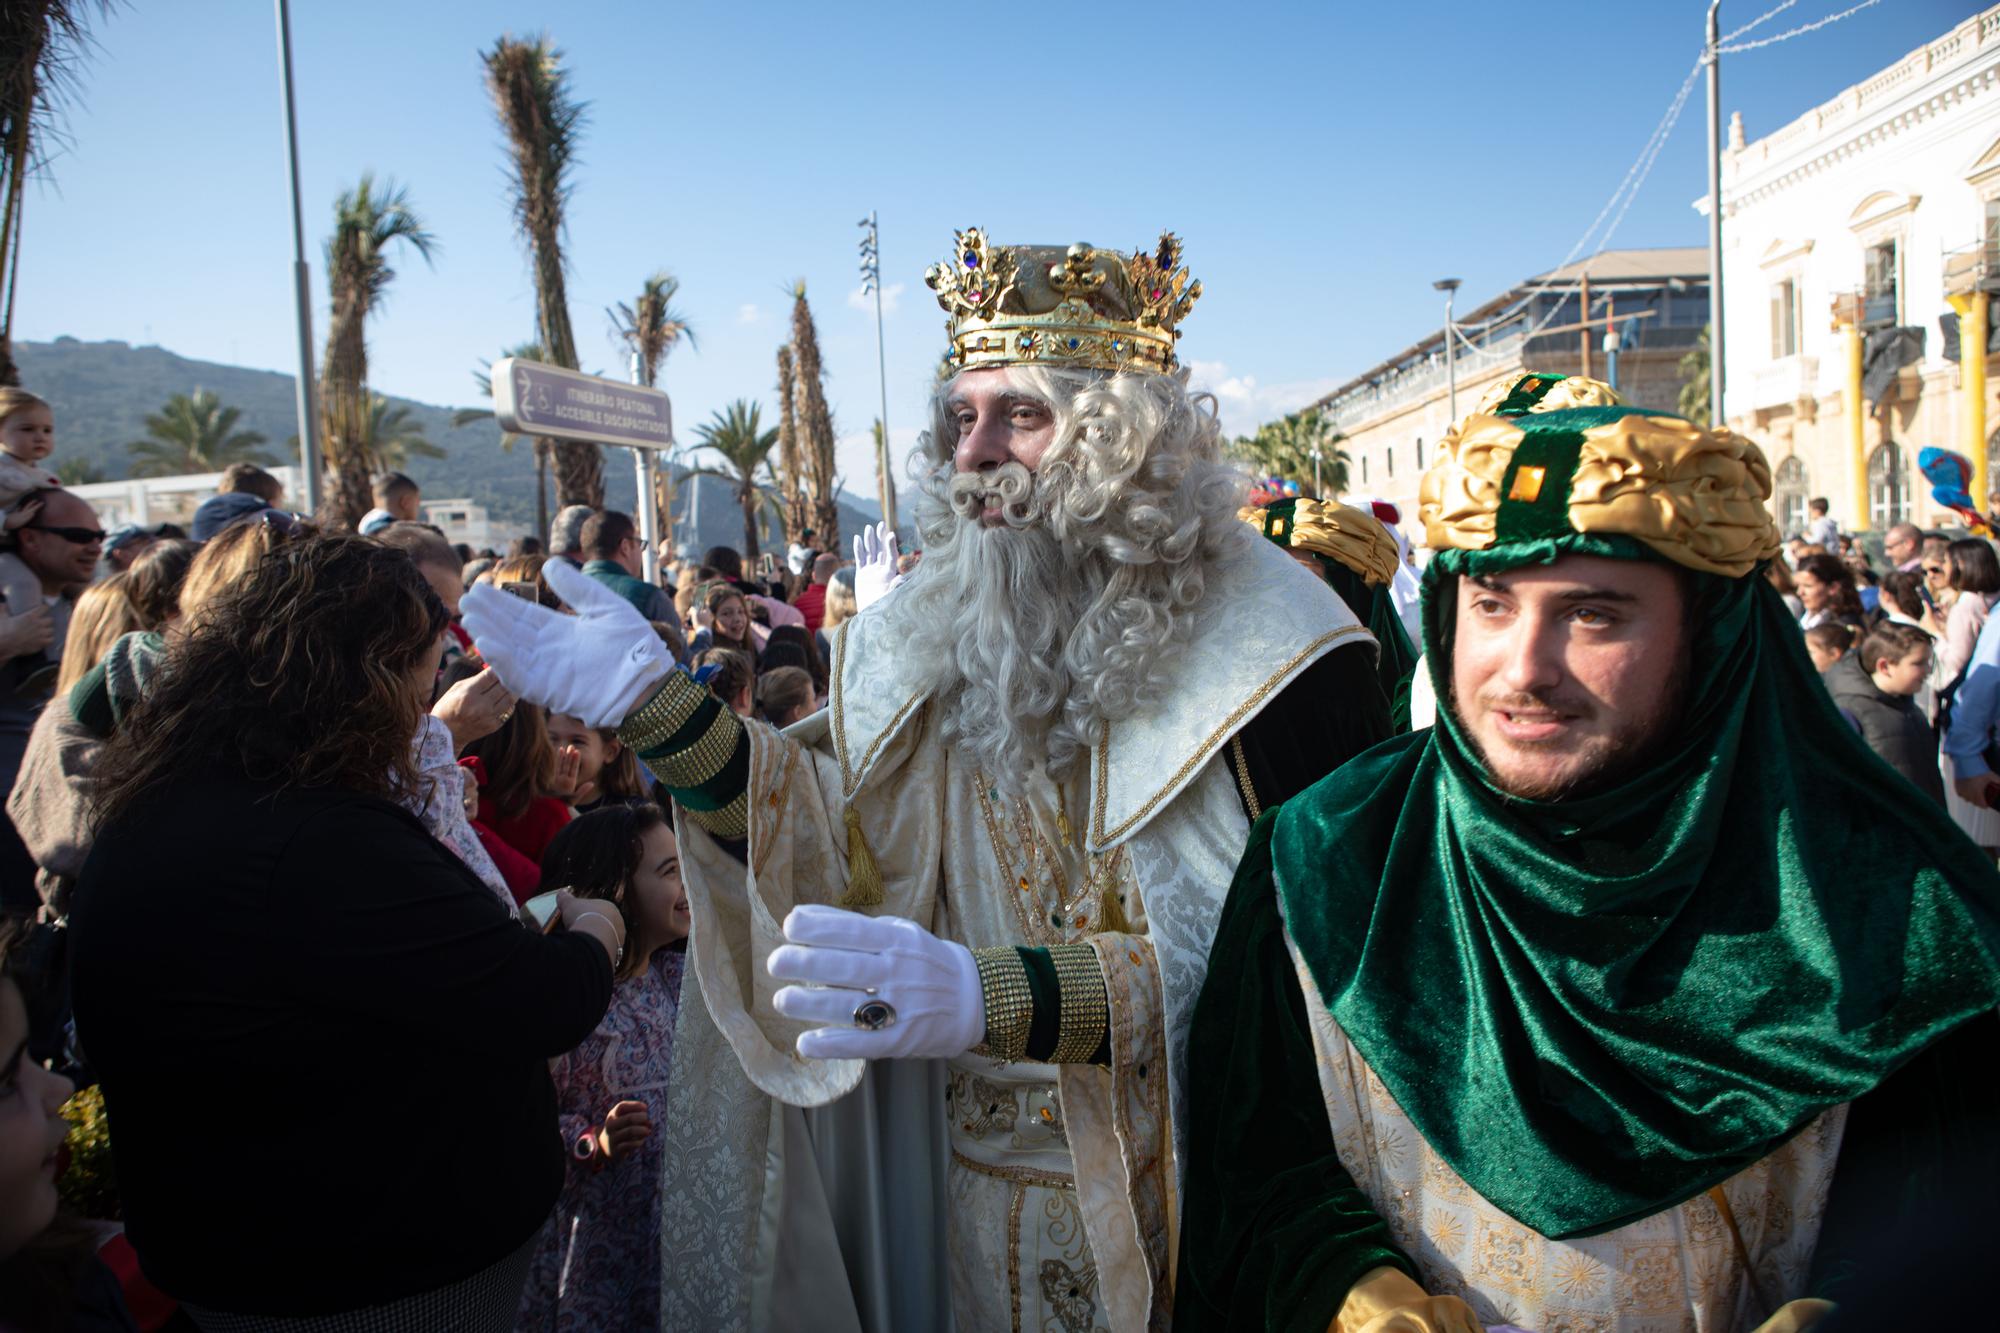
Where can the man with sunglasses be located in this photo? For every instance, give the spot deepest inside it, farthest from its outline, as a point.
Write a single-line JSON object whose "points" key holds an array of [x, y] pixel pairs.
{"points": [[56, 552]]}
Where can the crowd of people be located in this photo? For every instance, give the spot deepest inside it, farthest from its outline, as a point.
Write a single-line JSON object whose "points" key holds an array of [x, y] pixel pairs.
{"points": [[1065, 930], [372, 768]]}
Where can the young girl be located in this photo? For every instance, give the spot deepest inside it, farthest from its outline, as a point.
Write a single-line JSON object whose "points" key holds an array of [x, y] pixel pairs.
{"points": [[598, 1262], [607, 773], [523, 782]]}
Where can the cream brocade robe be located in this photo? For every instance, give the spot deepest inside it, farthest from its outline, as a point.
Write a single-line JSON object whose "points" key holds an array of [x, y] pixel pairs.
{"points": [[1677, 1271], [1059, 1193]]}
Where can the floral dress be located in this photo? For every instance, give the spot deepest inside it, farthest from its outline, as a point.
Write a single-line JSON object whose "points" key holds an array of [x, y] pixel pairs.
{"points": [[597, 1265]]}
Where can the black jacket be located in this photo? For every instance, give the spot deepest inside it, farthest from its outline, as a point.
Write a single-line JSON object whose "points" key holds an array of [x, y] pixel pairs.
{"points": [[1890, 723], [323, 1044]]}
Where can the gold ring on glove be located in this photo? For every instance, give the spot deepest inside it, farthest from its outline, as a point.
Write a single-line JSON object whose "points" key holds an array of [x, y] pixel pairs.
{"points": [[874, 1015]]}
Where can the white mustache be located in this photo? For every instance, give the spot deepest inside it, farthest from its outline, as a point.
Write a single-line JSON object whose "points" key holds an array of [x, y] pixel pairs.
{"points": [[1011, 486]]}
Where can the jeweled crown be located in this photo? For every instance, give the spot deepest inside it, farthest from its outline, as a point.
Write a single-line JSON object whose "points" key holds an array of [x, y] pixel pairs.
{"points": [[1081, 307]]}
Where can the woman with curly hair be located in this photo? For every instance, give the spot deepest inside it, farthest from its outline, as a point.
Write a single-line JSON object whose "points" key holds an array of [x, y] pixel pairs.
{"points": [[260, 906]]}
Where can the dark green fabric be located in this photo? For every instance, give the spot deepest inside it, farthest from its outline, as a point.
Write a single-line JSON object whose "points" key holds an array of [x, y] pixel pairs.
{"points": [[1596, 1008], [90, 703], [1046, 994], [1527, 394], [1396, 656], [1273, 1229]]}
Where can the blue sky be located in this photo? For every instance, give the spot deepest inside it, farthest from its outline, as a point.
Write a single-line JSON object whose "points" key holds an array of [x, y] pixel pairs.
{"points": [[1323, 162]]}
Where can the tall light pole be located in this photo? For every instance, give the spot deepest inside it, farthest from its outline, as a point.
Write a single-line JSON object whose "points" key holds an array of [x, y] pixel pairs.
{"points": [[871, 281], [1449, 286], [1712, 55], [301, 279]]}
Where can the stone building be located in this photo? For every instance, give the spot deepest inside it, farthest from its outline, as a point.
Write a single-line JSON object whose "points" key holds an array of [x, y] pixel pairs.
{"points": [[1627, 316], [1852, 240]]}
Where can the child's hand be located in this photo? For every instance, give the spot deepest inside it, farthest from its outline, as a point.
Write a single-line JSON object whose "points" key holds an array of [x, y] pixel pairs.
{"points": [[24, 514], [625, 1128], [569, 763]]}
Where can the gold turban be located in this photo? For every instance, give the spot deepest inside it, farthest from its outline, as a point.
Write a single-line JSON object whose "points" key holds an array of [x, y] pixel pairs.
{"points": [[1354, 537], [1695, 496]]}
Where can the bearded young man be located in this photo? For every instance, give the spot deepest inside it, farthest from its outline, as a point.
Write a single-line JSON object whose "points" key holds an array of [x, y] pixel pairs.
{"points": [[1664, 993], [1039, 764]]}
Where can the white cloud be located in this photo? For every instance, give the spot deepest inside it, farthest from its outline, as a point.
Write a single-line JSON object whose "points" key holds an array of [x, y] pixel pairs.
{"points": [[748, 313], [1244, 403], [892, 296]]}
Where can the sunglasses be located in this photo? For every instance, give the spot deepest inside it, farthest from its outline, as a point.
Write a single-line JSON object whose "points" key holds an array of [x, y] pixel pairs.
{"points": [[1933, 569], [78, 536]]}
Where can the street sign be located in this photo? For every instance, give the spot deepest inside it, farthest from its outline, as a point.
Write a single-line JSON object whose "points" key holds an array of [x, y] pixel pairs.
{"points": [[530, 398]]}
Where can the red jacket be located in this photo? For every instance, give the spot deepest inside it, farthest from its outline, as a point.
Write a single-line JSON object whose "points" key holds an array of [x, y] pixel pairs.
{"points": [[811, 603]]}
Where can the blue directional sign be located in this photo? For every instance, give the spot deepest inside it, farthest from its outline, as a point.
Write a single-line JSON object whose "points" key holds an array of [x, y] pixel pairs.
{"points": [[530, 398]]}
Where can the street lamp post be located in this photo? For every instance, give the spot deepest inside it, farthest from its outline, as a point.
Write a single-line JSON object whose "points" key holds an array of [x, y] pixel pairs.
{"points": [[301, 279], [1318, 494], [871, 280], [1449, 286], [1712, 56]]}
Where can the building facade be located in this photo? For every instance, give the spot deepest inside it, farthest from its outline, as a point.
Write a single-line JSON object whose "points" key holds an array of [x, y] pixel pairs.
{"points": [[1628, 316], [1853, 240]]}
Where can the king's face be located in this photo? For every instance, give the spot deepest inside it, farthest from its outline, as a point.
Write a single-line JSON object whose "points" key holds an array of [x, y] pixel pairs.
{"points": [[997, 422]]}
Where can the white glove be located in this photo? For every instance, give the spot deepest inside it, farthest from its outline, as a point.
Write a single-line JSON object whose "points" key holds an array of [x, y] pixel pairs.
{"points": [[930, 986], [874, 565], [598, 665]]}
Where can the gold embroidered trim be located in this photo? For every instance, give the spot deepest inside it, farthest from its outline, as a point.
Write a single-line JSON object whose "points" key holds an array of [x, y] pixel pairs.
{"points": [[1086, 1011], [850, 776], [772, 812], [1250, 801], [1099, 837], [731, 821], [664, 714], [1020, 1175], [1013, 1238], [1010, 1005], [688, 769]]}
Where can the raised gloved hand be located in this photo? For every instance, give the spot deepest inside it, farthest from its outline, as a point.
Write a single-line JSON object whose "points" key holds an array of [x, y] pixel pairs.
{"points": [[598, 665], [875, 573], [892, 990]]}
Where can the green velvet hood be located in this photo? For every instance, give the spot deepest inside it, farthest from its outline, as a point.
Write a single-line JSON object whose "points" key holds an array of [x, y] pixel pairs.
{"points": [[1596, 1008]]}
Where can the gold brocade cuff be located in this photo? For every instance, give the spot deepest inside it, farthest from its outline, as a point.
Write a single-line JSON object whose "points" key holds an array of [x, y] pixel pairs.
{"points": [[1010, 1006], [731, 821], [699, 763], [1086, 1013], [664, 714]]}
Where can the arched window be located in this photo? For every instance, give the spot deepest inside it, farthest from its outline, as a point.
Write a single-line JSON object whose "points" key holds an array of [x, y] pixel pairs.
{"points": [[1790, 493], [1888, 488]]}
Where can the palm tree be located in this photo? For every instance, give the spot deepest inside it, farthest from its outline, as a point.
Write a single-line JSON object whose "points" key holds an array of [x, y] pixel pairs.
{"points": [[1284, 448], [735, 433], [1694, 397], [40, 44], [465, 416], [543, 122], [366, 223], [194, 433], [649, 328], [815, 425], [393, 437], [791, 483]]}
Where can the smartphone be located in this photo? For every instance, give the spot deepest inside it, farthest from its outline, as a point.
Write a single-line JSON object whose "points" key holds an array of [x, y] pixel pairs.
{"points": [[767, 565], [525, 589], [542, 910]]}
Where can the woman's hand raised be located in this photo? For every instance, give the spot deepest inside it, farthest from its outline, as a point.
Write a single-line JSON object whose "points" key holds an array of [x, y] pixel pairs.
{"points": [[598, 665]]}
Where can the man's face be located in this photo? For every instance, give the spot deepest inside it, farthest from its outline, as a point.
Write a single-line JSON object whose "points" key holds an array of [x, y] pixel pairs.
{"points": [[408, 507], [447, 582], [63, 542], [1563, 673], [997, 423], [1900, 545], [632, 555]]}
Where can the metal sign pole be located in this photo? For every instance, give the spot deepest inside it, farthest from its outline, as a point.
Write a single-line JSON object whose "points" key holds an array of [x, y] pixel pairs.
{"points": [[309, 462]]}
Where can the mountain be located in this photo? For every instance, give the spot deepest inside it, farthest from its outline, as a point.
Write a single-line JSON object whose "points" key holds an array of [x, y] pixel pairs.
{"points": [[103, 392]]}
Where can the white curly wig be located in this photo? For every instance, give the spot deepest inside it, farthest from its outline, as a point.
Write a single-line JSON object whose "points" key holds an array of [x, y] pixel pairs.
{"points": [[1033, 634]]}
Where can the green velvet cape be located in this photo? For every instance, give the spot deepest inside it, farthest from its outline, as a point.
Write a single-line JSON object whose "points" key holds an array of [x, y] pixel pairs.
{"points": [[1596, 1008]]}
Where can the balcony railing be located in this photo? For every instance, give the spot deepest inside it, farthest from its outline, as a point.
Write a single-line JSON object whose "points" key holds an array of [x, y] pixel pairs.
{"points": [[1879, 308], [1971, 269]]}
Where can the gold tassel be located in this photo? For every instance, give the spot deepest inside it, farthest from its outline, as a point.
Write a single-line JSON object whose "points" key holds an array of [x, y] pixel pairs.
{"points": [[864, 877], [1112, 917]]}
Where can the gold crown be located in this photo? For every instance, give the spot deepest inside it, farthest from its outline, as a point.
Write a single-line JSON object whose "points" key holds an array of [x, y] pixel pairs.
{"points": [[1081, 307]]}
